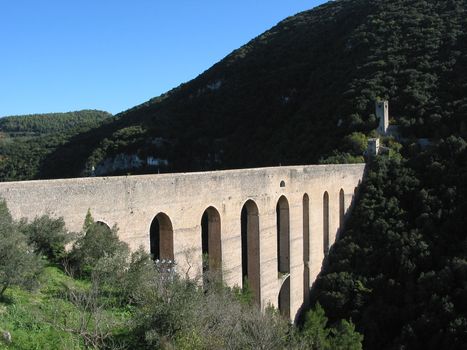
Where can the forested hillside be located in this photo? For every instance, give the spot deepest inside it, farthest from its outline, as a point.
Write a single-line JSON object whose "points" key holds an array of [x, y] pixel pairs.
{"points": [[26, 140], [296, 93], [400, 269], [51, 122]]}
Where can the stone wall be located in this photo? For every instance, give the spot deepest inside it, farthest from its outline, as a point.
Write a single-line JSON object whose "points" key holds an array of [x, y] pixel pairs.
{"points": [[132, 202]]}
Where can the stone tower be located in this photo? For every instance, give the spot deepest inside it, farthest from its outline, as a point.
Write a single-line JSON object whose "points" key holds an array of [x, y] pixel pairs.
{"points": [[382, 113]]}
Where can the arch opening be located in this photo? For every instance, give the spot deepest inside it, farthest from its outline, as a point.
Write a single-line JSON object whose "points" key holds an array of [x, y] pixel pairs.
{"points": [[326, 223], [306, 247], [284, 299], [161, 238], [98, 228], [211, 240], [250, 249], [103, 225], [283, 235], [341, 210]]}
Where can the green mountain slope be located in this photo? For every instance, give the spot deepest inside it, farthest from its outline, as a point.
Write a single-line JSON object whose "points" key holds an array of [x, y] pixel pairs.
{"points": [[292, 94], [51, 122], [25, 141]]}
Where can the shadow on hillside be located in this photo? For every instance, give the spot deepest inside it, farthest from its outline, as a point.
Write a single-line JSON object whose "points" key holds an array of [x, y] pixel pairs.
{"points": [[68, 160]]}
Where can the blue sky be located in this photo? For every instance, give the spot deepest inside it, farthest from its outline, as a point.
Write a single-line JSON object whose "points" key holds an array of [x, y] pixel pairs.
{"points": [[64, 55]]}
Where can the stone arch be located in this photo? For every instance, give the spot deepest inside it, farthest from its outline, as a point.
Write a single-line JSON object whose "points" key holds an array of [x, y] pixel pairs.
{"points": [[284, 299], [251, 248], [103, 224], [283, 235], [306, 246], [161, 238], [326, 223], [341, 210], [211, 240], [99, 227]]}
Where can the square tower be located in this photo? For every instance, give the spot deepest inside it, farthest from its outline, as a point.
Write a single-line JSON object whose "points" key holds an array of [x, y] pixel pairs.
{"points": [[382, 114]]}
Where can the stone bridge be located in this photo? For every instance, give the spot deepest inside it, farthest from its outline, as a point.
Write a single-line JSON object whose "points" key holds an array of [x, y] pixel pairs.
{"points": [[270, 226]]}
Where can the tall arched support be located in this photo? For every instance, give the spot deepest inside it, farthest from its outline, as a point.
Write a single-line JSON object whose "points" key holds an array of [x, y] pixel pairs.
{"points": [[161, 238], [326, 242], [283, 252], [296, 253], [306, 247], [284, 299], [250, 235], [283, 235], [211, 240], [341, 210]]}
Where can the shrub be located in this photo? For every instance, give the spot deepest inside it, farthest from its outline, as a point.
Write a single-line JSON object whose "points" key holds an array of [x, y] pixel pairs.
{"points": [[98, 241], [315, 335], [19, 265], [48, 236]]}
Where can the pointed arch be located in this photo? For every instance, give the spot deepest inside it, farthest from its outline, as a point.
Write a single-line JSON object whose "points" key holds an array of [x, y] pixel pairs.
{"points": [[326, 223], [341, 210], [306, 246], [161, 237], [251, 248], [283, 235], [284, 299], [211, 240]]}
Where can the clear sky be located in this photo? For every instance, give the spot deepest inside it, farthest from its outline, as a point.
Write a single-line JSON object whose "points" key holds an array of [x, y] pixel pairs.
{"points": [[65, 55]]}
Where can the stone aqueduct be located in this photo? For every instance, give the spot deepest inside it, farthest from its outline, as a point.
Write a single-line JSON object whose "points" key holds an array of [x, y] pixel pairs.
{"points": [[272, 226]]}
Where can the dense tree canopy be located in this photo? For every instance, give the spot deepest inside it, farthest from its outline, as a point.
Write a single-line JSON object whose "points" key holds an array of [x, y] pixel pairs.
{"points": [[400, 270], [51, 122], [25, 141]]}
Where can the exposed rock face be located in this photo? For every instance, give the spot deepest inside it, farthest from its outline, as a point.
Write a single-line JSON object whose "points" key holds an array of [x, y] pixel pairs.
{"points": [[117, 163], [127, 162]]}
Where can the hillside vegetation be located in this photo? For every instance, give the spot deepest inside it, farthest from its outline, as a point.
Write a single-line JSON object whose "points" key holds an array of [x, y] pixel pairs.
{"points": [[297, 93], [98, 295], [51, 122], [26, 140]]}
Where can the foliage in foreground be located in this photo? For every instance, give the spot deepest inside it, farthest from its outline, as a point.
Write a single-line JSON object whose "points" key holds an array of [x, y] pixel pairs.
{"points": [[124, 300], [19, 265]]}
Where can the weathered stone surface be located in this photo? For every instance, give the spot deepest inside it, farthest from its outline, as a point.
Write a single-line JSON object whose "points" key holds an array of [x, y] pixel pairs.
{"points": [[132, 202]]}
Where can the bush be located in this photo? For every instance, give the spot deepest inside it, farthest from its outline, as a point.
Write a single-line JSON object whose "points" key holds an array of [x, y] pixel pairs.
{"points": [[97, 241], [48, 236], [315, 335], [19, 265]]}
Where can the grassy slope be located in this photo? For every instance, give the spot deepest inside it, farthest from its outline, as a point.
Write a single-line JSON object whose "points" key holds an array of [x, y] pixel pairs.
{"points": [[28, 316]]}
